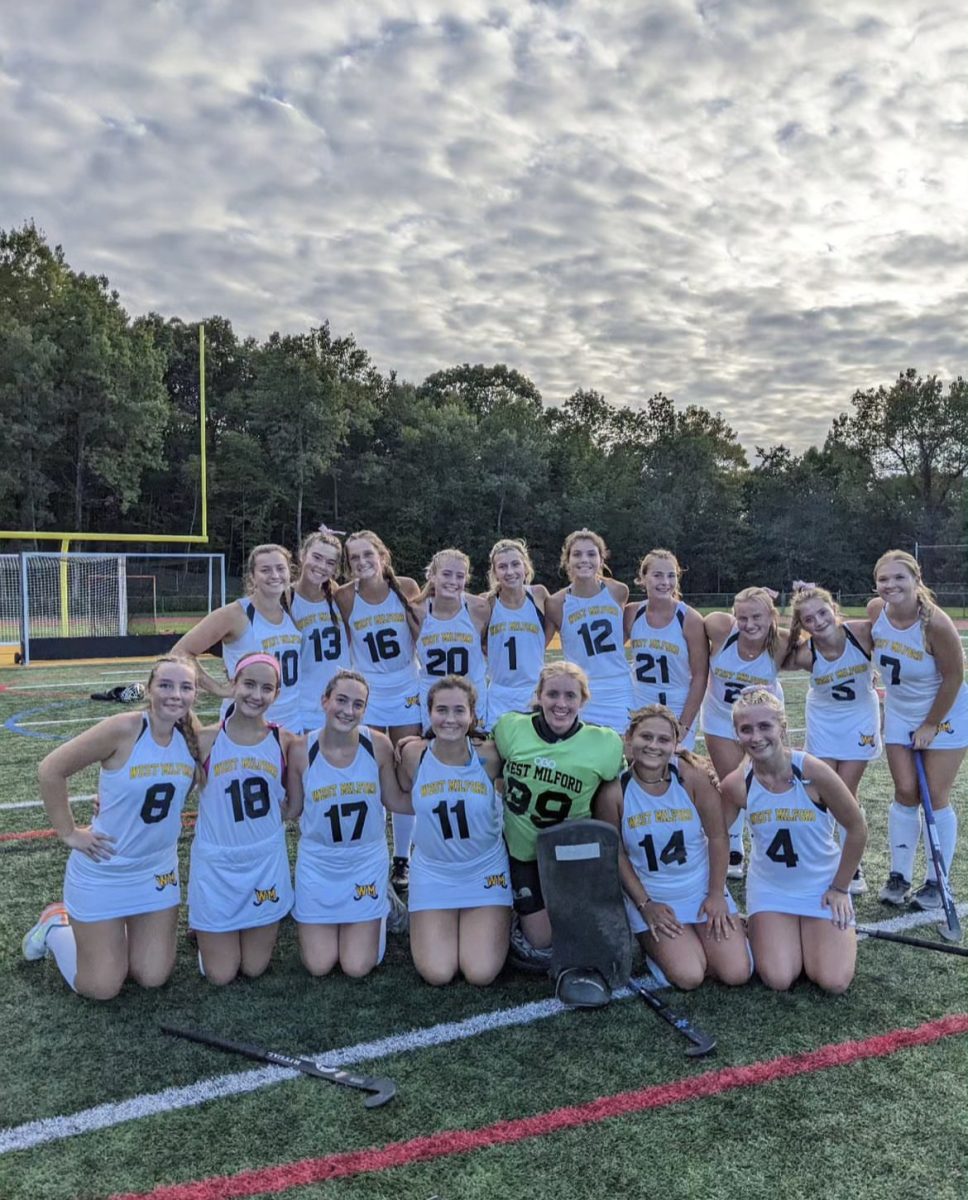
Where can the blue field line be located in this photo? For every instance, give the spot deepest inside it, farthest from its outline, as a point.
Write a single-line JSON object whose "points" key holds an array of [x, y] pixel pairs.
{"points": [[12, 723]]}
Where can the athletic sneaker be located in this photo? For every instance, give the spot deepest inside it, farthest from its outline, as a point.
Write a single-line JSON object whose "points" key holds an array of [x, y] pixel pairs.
{"points": [[896, 891], [34, 944], [526, 957], [736, 865], [400, 872], [858, 885], [928, 897]]}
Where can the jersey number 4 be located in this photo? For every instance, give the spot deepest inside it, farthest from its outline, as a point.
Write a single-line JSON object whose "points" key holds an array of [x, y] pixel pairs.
{"points": [[780, 850]]}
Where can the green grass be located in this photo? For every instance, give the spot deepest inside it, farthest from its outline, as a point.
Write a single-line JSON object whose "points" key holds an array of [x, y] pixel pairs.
{"points": [[887, 1129]]}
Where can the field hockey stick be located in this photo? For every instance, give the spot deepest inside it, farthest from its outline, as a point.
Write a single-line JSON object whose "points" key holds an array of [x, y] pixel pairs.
{"points": [[382, 1089], [920, 943], [702, 1043], [951, 930]]}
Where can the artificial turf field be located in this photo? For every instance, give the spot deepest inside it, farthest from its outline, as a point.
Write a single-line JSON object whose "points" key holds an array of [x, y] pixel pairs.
{"points": [[500, 1093]]}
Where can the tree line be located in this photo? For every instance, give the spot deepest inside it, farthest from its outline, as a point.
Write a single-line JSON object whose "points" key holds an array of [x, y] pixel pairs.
{"points": [[101, 432]]}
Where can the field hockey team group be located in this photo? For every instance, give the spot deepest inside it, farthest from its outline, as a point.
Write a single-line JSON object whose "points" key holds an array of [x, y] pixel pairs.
{"points": [[347, 702]]}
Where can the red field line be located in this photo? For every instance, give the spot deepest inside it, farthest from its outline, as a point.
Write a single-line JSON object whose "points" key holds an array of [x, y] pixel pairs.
{"points": [[28, 835], [463, 1141]]}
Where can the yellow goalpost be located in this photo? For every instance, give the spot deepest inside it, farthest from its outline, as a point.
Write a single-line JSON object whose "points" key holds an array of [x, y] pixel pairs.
{"points": [[65, 539]]}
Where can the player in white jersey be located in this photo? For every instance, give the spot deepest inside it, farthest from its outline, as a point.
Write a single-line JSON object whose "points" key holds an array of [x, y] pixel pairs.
{"points": [[121, 890], [239, 882], [517, 632], [589, 615], [342, 863], [801, 918], [919, 655], [325, 646], [260, 622], [674, 856], [450, 640], [378, 607], [460, 882], [745, 650], [843, 715], [670, 653]]}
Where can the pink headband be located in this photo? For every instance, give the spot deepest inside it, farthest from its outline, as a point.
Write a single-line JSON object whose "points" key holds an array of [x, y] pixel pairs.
{"points": [[258, 657]]}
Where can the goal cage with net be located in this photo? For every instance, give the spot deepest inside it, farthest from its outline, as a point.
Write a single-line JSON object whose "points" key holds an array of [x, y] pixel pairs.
{"points": [[81, 605]]}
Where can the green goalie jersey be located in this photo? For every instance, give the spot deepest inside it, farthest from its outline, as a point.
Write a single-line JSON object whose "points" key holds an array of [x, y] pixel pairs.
{"points": [[550, 779]]}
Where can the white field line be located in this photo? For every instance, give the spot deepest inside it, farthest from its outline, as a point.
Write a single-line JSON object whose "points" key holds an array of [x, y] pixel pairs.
{"points": [[11, 804], [80, 683], [103, 1116], [89, 720]]}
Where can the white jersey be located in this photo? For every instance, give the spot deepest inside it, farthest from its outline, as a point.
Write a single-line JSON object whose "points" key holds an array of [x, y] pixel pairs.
{"points": [[665, 841], [459, 858], [843, 717], [910, 675], [324, 650], [729, 674], [342, 809], [660, 660], [281, 640], [383, 651], [140, 803], [343, 862], [794, 853], [450, 646], [515, 656], [592, 635], [241, 801], [239, 876], [458, 816]]}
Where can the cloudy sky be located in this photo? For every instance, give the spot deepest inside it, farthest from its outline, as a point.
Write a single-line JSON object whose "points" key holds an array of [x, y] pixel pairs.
{"points": [[758, 206]]}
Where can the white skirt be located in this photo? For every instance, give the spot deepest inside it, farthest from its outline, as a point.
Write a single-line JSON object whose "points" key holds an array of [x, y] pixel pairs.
{"points": [[107, 890], [436, 885], [341, 886], [238, 887]]}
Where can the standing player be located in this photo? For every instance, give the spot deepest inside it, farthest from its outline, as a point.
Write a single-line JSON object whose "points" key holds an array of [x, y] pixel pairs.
{"points": [[378, 609], [673, 864], [553, 766], [325, 647], [452, 627], [460, 887], [918, 653], [589, 614], [800, 914], [745, 650], [670, 653], [517, 632], [843, 716], [342, 863], [239, 883], [258, 623], [121, 889]]}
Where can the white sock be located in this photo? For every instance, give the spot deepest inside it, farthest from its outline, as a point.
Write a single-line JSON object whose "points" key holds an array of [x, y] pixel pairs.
{"points": [[903, 833], [201, 965], [61, 943], [402, 832], [736, 835], [946, 820]]}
